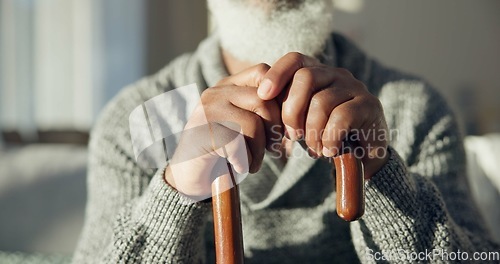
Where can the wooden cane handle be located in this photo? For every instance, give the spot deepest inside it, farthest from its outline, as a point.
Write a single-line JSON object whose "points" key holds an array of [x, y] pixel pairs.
{"points": [[350, 185], [227, 220]]}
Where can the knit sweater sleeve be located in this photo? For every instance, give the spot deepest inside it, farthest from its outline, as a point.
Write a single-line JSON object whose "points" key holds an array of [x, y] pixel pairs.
{"points": [[132, 215], [419, 202]]}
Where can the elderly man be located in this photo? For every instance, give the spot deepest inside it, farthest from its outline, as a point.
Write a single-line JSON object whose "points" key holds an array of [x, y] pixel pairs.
{"points": [[276, 63]]}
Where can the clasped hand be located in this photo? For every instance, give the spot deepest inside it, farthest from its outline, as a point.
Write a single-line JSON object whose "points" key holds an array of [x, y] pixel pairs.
{"points": [[297, 97]]}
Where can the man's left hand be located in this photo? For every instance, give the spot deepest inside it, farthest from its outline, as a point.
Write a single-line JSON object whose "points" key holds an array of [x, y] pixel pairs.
{"points": [[324, 105]]}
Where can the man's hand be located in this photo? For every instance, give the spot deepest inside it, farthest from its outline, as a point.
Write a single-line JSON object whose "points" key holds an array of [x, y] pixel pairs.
{"points": [[324, 105], [227, 110]]}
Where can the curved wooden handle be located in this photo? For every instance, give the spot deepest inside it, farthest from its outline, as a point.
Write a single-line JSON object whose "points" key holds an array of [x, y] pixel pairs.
{"points": [[227, 220], [350, 185]]}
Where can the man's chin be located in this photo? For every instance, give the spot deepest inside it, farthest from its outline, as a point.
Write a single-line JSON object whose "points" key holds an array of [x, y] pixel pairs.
{"points": [[254, 35]]}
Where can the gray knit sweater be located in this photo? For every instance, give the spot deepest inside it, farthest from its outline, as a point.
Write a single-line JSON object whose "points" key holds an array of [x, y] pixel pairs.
{"points": [[418, 201]]}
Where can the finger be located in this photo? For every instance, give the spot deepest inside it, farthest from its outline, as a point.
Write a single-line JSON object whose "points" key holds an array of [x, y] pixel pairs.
{"points": [[313, 154], [320, 108], [267, 110], [282, 72], [305, 83], [256, 117], [255, 138], [252, 128], [317, 117], [193, 142], [229, 142], [374, 137], [374, 147], [344, 119], [250, 77]]}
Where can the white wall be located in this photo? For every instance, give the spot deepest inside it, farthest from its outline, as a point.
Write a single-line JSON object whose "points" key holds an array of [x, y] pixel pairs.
{"points": [[62, 60], [16, 60], [455, 44], [173, 27], [74, 51]]}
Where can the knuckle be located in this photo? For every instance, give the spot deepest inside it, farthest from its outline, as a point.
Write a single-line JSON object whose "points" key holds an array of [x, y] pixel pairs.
{"points": [[206, 95], [378, 103], [261, 69], [314, 133], [327, 138], [343, 121], [209, 94], [288, 112], [305, 76], [254, 119], [359, 86], [373, 103], [344, 71], [223, 80], [318, 101], [212, 98], [296, 56], [311, 125], [257, 104]]}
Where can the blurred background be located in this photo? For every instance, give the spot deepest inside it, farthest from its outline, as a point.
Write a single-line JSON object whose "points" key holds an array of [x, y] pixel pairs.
{"points": [[62, 60]]}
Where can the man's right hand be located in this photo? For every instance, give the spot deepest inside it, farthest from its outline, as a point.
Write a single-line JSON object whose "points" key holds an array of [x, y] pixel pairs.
{"points": [[213, 133]]}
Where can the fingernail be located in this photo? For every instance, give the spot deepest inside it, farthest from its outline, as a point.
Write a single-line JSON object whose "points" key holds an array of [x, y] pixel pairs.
{"points": [[286, 134], [292, 135], [264, 88], [299, 134], [312, 153], [327, 152]]}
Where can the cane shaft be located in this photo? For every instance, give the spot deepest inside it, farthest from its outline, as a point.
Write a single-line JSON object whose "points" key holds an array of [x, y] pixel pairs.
{"points": [[227, 220]]}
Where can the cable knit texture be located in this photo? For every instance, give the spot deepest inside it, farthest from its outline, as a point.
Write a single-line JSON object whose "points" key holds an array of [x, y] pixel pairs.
{"points": [[418, 201]]}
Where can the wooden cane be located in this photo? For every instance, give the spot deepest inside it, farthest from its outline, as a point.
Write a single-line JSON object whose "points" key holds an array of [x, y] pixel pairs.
{"points": [[227, 213], [227, 219]]}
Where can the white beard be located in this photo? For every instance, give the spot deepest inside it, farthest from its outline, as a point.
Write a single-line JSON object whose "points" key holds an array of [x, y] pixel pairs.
{"points": [[253, 34]]}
